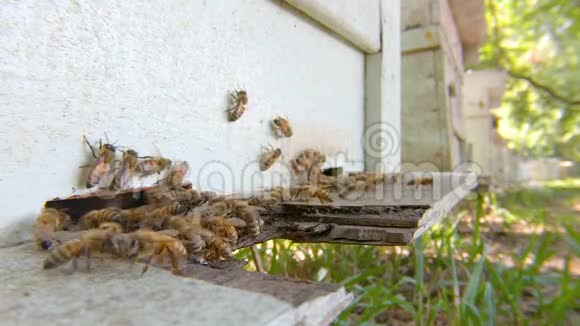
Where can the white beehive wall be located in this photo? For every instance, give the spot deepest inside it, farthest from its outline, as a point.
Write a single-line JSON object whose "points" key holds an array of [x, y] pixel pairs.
{"points": [[155, 76]]}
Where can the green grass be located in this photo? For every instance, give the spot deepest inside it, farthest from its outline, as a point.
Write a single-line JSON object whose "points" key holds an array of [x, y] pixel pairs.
{"points": [[508, 261]]}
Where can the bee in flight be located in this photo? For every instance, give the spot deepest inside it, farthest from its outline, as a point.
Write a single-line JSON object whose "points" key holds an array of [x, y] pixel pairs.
{"points": [[240, 99]]}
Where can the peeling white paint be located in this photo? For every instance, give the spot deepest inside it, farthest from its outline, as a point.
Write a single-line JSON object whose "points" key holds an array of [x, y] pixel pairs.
{"points": [[155, 76]]}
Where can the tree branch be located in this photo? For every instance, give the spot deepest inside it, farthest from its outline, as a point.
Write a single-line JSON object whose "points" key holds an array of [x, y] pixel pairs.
{"points": [[545, 89], [497, 38]]}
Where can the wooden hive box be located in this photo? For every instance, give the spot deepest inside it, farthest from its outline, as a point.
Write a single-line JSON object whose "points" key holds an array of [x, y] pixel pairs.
{"points": [[438, 38]]}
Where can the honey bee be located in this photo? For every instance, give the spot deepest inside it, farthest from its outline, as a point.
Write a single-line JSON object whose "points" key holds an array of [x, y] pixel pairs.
{"points": [[314, 174], [187, 197], [224, 227], [306, 192], [251, 216], [103, 164], [91, 240], [72, 249], [161, 195], [134, 216], [217, 248], [240, 99], [282, 126], [362, 181], [114, 227], [269, 158], [123, 178], [177, 174], [330, 182], [262, 200], [271, 197], [370, 179], [161, 245], [95, 218], [48, 222], [222, 206], [168, 210], [352, 185], [421, 181], [151, 165], [189, 229], [280, 193], [307, 160], [159, 217]]}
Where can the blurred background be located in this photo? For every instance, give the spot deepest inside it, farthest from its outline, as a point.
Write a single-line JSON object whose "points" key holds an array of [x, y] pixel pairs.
{"points": [[509, 254]]}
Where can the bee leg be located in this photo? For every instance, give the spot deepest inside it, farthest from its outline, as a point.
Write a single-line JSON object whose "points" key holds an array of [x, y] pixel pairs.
{"points": [[75, 264], [88, 255], [90, 146], [147, 263], [174, 263]]}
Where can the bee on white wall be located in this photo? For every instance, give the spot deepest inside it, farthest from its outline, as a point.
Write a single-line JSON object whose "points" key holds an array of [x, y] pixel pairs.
{"points": [[240, 98]]}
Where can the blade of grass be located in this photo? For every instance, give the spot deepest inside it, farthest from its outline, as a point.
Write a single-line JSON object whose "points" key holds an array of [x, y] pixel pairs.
{"points": [[490, 305], [419, 279], [468, 300]]}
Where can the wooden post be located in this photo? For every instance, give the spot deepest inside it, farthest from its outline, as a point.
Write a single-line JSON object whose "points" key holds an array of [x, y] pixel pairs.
{"points": [[382, 137]]}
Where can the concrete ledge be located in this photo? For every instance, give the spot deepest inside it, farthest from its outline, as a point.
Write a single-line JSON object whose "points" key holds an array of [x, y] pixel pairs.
{"points": [[114, 294]]}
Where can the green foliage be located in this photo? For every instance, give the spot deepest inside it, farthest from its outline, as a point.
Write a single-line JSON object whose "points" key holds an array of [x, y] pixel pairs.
{"points": [[538, 43], [449, 275]]}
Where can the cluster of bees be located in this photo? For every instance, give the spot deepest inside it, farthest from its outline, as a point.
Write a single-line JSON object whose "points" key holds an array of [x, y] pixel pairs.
{"points": [[178, 222]]}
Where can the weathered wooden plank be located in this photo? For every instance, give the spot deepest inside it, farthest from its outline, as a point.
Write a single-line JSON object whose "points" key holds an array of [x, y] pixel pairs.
{"points": [[77, 206], [443, 207], [392, 214], [330, 233], [386, 216]]}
